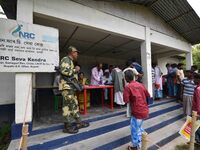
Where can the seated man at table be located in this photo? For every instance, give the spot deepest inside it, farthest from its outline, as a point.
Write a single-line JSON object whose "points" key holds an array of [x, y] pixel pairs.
{"points": [[96, 79], [83, 81]]}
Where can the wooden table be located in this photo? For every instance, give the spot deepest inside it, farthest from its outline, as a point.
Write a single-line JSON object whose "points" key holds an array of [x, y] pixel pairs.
{"points": [[86, 87]]}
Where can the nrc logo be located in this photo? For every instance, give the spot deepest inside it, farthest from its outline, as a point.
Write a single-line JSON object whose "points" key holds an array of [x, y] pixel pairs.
{"points": [[19, 33]]}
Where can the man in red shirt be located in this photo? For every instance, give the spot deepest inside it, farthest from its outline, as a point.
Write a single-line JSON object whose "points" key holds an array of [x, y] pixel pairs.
{"points": [[196, 103], [136, 94]]}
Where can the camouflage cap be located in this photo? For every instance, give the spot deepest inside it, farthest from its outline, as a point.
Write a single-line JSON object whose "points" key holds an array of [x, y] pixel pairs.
{"points": [[72, 49]]}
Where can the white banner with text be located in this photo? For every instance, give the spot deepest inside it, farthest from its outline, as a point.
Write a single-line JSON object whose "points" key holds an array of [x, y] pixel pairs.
{"points": [[27, 47]]}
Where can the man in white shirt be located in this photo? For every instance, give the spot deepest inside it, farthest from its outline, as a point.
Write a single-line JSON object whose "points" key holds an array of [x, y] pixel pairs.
{"points": [[96, 79], [97, 75]]}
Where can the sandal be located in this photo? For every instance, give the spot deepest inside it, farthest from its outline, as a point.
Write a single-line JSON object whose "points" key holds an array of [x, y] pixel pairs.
{"points": [[132, 148]]}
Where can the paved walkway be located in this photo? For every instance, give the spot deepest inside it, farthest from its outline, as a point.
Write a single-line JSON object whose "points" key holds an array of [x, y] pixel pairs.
{"points": [[111, 131]]}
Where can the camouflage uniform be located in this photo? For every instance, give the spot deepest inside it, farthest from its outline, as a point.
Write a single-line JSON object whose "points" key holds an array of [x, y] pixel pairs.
{"points": [[70, 103]]}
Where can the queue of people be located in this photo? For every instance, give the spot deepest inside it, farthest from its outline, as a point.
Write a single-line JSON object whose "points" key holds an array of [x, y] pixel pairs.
{"points": [[181, 84], [184, 86], [113, 75], [170, 85]]}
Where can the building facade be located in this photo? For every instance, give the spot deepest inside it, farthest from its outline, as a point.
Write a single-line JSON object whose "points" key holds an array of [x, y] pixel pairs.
{"points": [[104, 31]]}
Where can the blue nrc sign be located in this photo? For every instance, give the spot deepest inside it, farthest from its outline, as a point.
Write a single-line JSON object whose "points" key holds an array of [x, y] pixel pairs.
{"points": [[19, 33]]}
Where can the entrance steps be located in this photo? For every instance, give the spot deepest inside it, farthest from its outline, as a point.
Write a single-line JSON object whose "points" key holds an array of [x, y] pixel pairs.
{"points": [[112, 131]]}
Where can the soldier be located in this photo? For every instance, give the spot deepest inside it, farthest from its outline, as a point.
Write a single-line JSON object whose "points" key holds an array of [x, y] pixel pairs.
{"points": [[70, 103]]}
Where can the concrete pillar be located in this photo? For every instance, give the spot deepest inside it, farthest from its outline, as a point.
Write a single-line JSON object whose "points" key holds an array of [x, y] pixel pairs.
{"points": [[146, 60], [23, 80], [189, 61]]}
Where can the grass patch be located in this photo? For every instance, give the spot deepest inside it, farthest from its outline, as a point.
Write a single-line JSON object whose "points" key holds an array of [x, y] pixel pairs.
{"points": [[186, 147], [5, 136]]}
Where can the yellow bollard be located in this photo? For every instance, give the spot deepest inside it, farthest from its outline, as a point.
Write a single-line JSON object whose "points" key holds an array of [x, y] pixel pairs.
{"points": [[192, 135], [144, 141]]}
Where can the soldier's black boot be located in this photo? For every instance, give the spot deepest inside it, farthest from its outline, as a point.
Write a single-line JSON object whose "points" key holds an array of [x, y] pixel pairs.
{"points": [[68, 128], [82, 124]]}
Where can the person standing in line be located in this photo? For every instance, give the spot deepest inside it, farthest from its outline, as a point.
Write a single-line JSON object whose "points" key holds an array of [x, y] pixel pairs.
{"points": [[173, 74], [107, 80], [135, 73], [136, 94], [139, 69], [158, 83], [117, 77], [96, 79], [196, 103], [110, 68], [179, 76], [188, 91], [153, 79], [170, 82], [194, 69], [70, 103], [97, 75]]}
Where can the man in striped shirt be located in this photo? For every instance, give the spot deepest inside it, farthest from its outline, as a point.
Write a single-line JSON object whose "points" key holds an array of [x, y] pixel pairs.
{"points": [[188, 91]]}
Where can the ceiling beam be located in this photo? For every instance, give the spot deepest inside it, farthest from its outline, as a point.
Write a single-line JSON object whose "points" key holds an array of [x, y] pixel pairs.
{"points": [[167, 54], [97, 42], [118, 46], [67, 41]]}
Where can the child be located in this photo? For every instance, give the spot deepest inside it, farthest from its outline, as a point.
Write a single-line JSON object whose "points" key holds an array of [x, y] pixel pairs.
{"points": [[188, 91], [136, 94], [196, 103]]}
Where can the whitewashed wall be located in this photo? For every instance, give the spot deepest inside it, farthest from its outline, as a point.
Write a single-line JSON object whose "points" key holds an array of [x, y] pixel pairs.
{"points": [[132, 12], [115, 15]]}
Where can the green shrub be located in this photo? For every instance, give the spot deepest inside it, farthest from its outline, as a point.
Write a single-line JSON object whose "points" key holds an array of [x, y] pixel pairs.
{"points": [[5, 136]]}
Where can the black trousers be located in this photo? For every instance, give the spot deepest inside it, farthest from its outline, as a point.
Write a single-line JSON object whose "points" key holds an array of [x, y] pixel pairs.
{"points": [[178, 94], [95, 98]]}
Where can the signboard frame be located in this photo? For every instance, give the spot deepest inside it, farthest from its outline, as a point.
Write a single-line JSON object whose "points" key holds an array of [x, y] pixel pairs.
{"points": [[26, 47]]}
